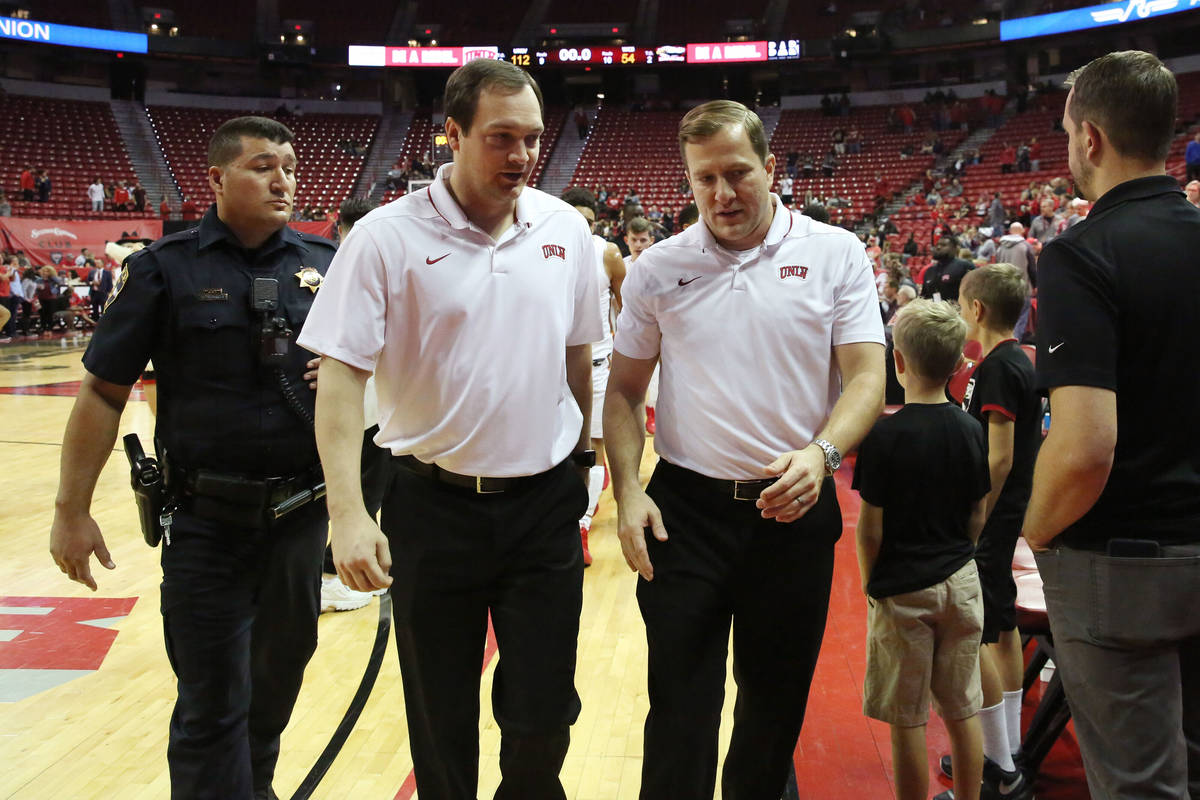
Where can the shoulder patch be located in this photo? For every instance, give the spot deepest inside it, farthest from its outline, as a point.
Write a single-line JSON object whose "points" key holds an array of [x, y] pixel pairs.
{"points": [[120, 282]]}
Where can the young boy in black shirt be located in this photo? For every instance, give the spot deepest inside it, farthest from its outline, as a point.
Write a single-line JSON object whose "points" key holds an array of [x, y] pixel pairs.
{"points": [[922, 474], [1001, 394]]}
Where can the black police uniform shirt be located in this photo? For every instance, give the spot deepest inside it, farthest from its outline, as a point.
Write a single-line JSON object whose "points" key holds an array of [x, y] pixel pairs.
{"points": [[944, 277], [1117, 309], [925, 466], [185, 301], [1004, 382]]}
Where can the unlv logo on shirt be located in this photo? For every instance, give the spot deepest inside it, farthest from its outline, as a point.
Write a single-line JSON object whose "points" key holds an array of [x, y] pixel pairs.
{"points": [[554, 250], [793, 272]]}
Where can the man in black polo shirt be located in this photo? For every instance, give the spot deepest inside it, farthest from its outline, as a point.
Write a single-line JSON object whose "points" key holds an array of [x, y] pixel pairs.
{"points": [[943, 276], [1116, 492]]}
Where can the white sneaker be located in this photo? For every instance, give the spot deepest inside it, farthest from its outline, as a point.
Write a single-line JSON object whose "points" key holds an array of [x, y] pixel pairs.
{"points": [[337, 596]]}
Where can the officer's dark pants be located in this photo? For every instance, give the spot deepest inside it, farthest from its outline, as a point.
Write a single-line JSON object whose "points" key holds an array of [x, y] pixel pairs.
{"points": [[456, 555], [723, 562], [240, 616]]}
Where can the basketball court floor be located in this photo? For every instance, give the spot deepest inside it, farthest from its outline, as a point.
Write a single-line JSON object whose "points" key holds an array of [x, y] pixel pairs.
{"points": [[86, 690]]}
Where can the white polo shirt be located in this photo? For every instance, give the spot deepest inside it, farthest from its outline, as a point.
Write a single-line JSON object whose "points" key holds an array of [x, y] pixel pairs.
{"points": [[747, 338], [466, 335]]}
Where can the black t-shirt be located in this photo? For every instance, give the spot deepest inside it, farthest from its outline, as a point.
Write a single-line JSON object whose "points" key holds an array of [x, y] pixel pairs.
{"points": [[185, 301], [1117, 309], [925, 466], [1004, 382], [944, 277]]}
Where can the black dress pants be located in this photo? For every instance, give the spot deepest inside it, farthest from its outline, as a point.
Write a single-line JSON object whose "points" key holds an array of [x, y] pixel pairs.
{"points": [[723, 563], [239, 613], [456, 556]]}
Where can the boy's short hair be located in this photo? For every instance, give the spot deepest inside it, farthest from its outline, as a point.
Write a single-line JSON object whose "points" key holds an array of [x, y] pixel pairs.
{"points": [[639, 225], [1002, 290], [931, 337]]}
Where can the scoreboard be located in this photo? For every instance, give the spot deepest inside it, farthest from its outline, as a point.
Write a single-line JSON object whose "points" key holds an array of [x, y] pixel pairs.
{"points": [[579, 56]]}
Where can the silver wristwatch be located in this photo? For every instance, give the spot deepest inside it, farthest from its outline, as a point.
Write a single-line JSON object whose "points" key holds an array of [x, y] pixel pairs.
{"points": [[833, 457]]}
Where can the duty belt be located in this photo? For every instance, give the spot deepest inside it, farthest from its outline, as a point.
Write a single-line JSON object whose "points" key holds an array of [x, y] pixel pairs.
{"points": [[274, 496]]}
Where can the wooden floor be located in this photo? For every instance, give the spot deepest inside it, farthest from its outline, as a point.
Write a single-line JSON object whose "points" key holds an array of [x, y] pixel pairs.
{"points": [[84, 715]]}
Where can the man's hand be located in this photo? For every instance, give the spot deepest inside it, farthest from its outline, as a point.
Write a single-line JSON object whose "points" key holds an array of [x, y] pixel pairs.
{"points": [[636, 512], [361, 554], [801, 473], [73, 540], [311, 375]]}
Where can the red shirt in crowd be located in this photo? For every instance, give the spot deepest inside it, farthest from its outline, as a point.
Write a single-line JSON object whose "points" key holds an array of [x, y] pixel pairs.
{"points": [[120, 197], [1008, 155], [164, 210], [26, 180]]}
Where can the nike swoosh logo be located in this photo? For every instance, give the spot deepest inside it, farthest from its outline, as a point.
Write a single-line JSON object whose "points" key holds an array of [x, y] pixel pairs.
{"points": [[429, 260], [1055, 347], [682, 282]]}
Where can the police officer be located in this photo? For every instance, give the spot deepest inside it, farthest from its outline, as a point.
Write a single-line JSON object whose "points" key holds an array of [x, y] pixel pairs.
{"points": [[215, 307]]}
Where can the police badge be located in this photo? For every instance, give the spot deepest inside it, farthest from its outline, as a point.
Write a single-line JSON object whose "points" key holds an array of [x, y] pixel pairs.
{"points": [[309, 278]]}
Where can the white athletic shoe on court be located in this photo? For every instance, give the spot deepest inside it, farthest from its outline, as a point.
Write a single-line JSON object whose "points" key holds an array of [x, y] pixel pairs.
{"points": [[337, 596]]}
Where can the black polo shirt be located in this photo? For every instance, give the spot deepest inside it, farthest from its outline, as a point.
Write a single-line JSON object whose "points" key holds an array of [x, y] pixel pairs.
{"points": [[185, 301], [944, 278], [1118, 301]]}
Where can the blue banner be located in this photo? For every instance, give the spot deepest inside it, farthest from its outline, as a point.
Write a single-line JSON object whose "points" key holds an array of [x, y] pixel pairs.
{"points": [[27, 30], [1079, 19]]}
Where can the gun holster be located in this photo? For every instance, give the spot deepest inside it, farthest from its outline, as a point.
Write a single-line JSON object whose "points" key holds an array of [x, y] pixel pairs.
{"points": [[149, 489]]}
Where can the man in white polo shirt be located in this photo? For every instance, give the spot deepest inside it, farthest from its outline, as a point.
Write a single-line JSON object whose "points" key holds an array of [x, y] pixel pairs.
{"points": [[474, 302], [639, 235], [768, 329]]}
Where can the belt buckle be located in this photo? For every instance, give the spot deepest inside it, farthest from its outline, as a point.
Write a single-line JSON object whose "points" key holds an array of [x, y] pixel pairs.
{"points": [[737, 490], [479, 487]]}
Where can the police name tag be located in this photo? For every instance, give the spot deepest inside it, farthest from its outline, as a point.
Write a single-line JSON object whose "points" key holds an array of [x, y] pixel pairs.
{"points": [[310, 279]]}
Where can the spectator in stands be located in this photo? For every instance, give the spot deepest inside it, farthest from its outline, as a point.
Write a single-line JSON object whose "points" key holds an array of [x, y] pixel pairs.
{"points": [[942, 278], [996, 213], [806, 168], [785, 190], [164, 208], [911, 248], [43, 186], [139, 196], [933, 198], [120, 198], [1116, 492], [1023, 164], [1191, 157], [5, 206], [839, 141], [1035, 154], [1192, 190], [190, 211], [28, 183], [1008, 158], [906, 117], [987, 244], [1048, 224], [854, 142], [1014, 249], [95, 193], [84, 257], [829, 164], [581, 122]]}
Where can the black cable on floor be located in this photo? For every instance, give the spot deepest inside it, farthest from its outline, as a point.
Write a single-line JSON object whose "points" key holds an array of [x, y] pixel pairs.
{"points": [[325, 760]]}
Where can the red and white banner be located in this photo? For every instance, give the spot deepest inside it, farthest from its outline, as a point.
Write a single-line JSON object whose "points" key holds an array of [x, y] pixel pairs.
{"points": [[726, 52], [382, 56], [58, 241]]}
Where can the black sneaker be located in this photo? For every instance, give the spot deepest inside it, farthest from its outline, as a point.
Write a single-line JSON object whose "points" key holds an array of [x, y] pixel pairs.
{"points": [[1001, 785]]}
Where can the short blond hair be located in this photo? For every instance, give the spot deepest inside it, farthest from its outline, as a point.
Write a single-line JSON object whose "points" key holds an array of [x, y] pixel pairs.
{"points": [[1002, 290], [930, 335], [705, 120]]}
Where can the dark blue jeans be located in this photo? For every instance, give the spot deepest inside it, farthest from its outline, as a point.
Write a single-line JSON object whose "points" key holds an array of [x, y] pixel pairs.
{"points": [[240, 617]]}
